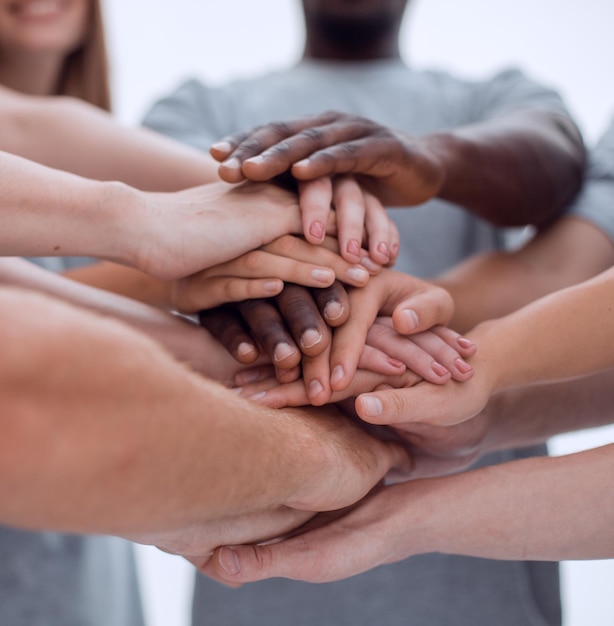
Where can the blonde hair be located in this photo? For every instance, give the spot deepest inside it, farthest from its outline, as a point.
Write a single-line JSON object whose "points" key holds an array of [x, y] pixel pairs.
{"points": [[85, 74]]}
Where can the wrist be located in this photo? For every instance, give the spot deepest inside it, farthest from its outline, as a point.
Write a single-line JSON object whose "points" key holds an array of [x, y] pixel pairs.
{"points": [[119, 219]]}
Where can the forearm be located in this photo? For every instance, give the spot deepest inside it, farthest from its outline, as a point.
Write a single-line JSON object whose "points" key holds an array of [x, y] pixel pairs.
{"points": [[530, 415], [124, 281], [189, 343], [46, 212], [522, 168], [537, 509], [71, 135], [494, 284], [568, 333], [104, 432]]}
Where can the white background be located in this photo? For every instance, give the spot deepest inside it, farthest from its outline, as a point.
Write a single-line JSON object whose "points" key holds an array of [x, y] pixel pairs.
{"points": [[154, 44]]}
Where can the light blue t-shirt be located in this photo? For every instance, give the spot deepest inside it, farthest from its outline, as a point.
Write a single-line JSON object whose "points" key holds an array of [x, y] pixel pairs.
{"points": [[428, 590]]}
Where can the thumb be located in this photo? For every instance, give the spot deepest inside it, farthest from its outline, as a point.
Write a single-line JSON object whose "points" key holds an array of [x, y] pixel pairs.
{"points": [[425, 402], [422, 310]]}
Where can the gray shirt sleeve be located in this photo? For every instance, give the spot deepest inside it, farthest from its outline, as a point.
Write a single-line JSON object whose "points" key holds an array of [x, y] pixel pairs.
{"points": [[595, 202], [189, 115]]}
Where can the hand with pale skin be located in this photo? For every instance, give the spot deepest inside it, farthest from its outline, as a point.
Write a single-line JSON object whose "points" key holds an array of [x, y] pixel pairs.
{"points": [[134, 458], [262, 273], [580, 314], [166, 235]]}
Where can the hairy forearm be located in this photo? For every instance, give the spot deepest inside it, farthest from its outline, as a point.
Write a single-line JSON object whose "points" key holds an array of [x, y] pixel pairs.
{"points": [[538, 509], [71, 135], [522, 168], [104, 432]]}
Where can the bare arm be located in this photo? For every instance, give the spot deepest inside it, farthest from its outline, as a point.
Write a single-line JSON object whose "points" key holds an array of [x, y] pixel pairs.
{"points": [[493, 284], [71, 135], [46, 212], [536, 509], [105, 432], [518, 168]]}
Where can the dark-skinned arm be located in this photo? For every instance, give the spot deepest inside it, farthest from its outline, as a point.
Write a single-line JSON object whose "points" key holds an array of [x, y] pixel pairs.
{"points": [[521, 167]]}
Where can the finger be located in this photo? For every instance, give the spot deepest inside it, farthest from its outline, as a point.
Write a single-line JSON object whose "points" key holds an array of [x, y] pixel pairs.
{"points": [[255, 141], [269, 330], [333, 303], [381, 232], [424, 403], [302, 317], [349, 203], [465, 347], [395, 243], [223, 148], [316, 377], [271, 393], [192, 294], [412, 354], [297, 140], [421, 311], [315, 198], [379, 362], [447, 356], [349, 338], [306, 254], [226, 325], [358, 156]]}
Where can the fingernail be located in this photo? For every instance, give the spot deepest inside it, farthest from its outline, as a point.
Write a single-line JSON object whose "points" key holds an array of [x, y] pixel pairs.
{"points": [[315, 388], [303, 163], [257, 396], [337, 374], [462, 366], [273, 286], [383, 248], [283, 351], [249, 376], [232, 164], [395, 249], [317, 230], [370, 265], [222, 146], [439, 369], [358, 274], [463, 342], [373, 406], [310, 337], [237, 390], [396, 363], [245, 349], [333, 310], [412, 318], [256, 160], [229, 561], [353, 247], [323, 275]]}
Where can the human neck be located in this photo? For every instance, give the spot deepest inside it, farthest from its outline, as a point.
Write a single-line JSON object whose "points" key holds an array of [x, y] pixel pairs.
{"points": [[334, 52], [34, 74], [351, 41]]}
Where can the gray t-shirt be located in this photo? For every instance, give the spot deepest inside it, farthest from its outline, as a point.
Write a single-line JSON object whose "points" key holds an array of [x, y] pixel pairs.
{"points": [[429, 590], [50, 579]]}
